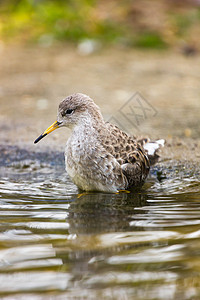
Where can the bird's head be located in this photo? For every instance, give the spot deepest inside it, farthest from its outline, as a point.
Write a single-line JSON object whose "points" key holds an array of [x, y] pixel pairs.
{"points": [[73, 110]]}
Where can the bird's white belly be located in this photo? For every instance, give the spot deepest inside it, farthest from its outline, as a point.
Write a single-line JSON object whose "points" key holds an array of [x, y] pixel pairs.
{"points": [[77, 178], [87, 184], [84, 169]]}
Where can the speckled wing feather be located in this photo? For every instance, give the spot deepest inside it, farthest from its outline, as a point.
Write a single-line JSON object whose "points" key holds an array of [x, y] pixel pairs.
{"points": [[129, 154]]}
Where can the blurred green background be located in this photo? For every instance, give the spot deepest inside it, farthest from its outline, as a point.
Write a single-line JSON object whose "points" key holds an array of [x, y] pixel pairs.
{"points": [[146, 24]]}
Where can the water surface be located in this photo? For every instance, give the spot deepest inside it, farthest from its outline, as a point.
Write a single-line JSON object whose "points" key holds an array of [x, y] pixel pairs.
{"points": [[56, 244]]}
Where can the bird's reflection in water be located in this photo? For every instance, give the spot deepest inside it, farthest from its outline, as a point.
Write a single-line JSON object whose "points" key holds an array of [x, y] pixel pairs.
{"points": [[96, 213], [93, 216]]}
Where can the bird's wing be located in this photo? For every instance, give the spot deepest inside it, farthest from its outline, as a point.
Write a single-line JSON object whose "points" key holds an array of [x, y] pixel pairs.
{"points": [[136, 167], [130, 155]]}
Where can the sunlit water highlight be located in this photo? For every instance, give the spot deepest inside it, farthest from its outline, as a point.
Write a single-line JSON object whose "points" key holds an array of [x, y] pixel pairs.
{"points": [[55, 245]]}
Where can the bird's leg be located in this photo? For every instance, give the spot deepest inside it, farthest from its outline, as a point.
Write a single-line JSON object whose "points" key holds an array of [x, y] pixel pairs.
{"points": [[123, 191], [82, 194]]}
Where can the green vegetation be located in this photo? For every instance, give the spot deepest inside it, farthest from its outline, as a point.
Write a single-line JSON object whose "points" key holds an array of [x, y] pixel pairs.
{"points": [[150, 40], [61, 20], [108, 21]]}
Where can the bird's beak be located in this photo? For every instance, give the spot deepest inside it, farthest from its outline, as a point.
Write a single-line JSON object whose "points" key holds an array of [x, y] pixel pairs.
{"points": [[54, 126]]}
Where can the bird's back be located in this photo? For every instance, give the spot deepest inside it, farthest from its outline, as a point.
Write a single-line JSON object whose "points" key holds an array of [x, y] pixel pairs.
{"points": [[129, 154]]}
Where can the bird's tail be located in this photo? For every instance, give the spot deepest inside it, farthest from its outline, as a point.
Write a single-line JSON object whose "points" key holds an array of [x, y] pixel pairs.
{"points": [[152, 148]]}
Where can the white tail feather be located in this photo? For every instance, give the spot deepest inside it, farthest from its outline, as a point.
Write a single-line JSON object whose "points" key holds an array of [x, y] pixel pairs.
{"points": [[151, 147]]}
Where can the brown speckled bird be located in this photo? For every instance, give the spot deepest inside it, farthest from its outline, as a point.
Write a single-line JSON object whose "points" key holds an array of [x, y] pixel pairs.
{"points": [[98, 155]]}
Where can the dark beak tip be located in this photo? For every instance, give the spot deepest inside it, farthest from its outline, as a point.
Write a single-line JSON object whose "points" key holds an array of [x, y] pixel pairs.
{"points": [[39, 138]]}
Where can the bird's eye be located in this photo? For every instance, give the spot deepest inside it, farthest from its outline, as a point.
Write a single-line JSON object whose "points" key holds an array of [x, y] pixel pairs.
{"points": [[69, 111]]}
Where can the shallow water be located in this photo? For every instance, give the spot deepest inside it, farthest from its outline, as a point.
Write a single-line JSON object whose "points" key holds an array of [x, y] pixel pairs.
{"points": [[57, 245]]}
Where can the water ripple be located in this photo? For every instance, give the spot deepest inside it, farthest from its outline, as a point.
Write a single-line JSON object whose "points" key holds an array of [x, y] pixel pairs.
{"points": [[140, 245]]}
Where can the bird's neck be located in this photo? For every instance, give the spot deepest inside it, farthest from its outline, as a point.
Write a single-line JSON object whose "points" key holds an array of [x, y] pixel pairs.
{"points": [[83, 140], [87, 131]]}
